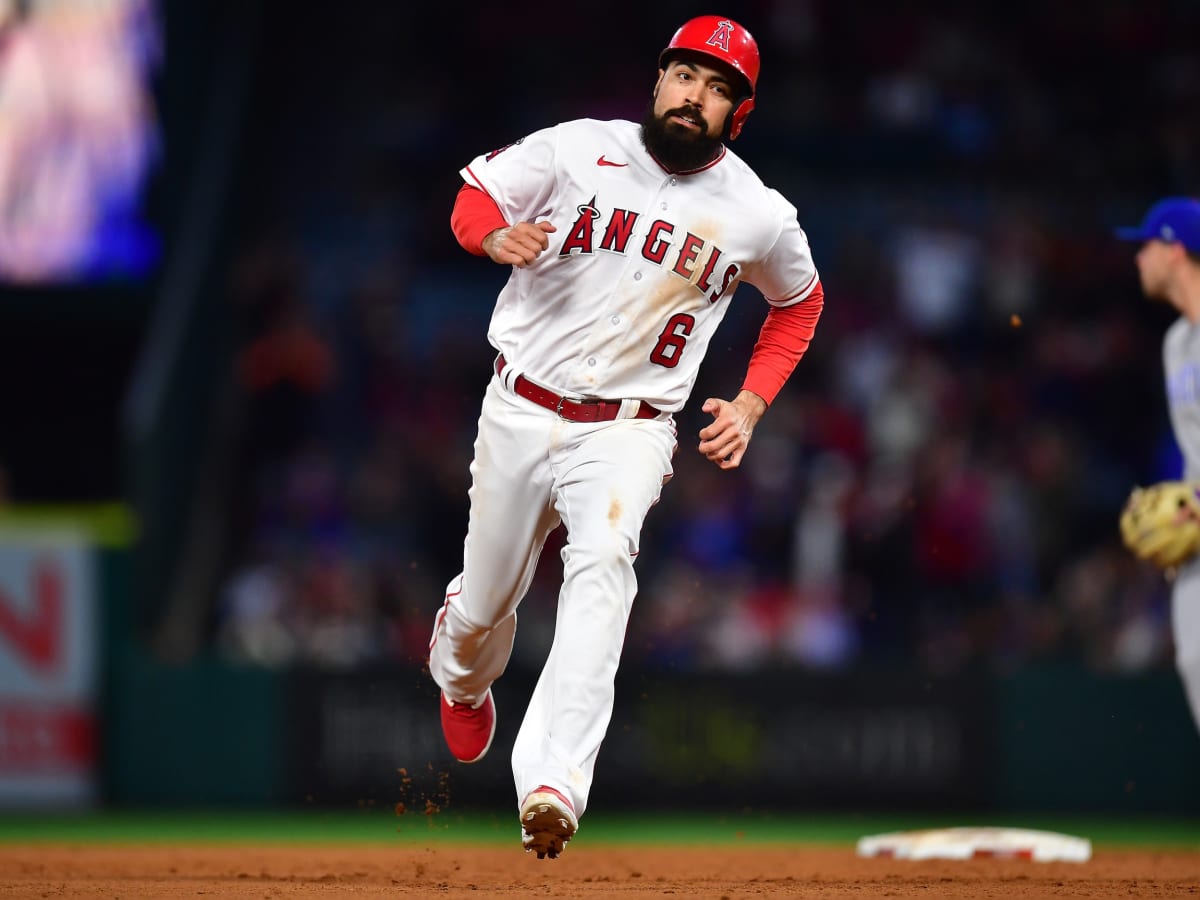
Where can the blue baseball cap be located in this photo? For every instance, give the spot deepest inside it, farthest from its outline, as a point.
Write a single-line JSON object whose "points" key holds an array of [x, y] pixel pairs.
{"points": [[1175, 220]]}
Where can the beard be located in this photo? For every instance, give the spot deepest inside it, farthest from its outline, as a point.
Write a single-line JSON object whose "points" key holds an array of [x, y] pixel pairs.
{"points": [[676, 148]]}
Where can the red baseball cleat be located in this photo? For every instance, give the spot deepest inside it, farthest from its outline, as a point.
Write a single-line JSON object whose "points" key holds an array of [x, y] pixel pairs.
{"points": [[548, 822], [469, 729]]}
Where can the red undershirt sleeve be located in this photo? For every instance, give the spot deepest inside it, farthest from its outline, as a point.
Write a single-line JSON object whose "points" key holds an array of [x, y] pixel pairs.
{"points": [[475, 216], [784, 337]]}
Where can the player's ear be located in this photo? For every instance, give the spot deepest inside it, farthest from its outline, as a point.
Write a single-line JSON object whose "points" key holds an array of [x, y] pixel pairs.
{"points": [[661, 74]]}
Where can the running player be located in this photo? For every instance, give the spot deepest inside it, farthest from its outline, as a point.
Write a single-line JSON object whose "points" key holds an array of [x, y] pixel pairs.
{"points": [[627, 243]]}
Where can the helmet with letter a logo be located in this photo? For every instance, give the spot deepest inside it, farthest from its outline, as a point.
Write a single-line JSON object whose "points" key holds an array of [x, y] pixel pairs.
{"points": [[727, 42]]}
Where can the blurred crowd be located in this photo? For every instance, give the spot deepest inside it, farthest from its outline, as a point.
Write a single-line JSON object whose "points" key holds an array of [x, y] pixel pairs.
{"points": [[940, 481]]}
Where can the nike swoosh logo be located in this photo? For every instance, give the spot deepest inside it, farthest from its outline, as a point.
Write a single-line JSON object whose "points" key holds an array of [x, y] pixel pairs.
{"points": [[604, 162]]}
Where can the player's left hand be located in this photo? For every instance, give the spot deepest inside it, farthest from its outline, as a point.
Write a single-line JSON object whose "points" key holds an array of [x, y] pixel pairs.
{"points": [[724, 442]]}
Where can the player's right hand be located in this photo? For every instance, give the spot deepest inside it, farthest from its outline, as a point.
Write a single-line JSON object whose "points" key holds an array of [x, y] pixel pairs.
{"points": [[518, 245]]}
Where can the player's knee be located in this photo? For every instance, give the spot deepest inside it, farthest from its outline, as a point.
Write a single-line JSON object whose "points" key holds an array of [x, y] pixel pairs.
{"points": [[609, 554], [476, 621]]}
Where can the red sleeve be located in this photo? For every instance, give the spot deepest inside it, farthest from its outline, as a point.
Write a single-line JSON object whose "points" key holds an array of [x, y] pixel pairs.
{"points": [[475, 216], [785, 336]]}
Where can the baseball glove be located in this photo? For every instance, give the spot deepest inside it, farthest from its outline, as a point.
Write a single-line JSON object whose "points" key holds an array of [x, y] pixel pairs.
{"points": [[1161, 523]]}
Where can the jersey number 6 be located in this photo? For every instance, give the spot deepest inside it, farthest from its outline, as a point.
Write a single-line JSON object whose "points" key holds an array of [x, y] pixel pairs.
{"points": [[671, 342]]}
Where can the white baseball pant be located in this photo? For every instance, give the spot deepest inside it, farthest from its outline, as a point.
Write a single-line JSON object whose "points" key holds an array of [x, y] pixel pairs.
{"points": [[532, 469]]}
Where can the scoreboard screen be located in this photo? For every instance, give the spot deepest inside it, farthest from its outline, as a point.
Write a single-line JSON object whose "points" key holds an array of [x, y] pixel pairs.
{"points": [[79, 141]]}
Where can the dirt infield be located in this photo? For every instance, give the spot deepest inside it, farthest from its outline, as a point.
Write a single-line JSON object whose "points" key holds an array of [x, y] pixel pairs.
{"points": [[622, 872]]}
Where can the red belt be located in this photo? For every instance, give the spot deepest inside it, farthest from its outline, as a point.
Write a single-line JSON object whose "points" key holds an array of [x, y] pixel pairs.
{"points": [[569, 409]]}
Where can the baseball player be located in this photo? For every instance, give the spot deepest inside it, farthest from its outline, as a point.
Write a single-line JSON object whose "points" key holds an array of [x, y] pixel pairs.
{"points": [[1163, 524], [627, 244]]}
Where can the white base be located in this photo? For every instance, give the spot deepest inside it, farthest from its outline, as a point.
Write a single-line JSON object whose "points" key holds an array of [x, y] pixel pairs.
{"points": [[977, 843]]}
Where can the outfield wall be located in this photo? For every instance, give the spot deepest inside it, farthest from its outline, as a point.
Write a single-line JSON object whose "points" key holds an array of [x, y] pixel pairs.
{"points": [[209, 734], [1051, 740]]}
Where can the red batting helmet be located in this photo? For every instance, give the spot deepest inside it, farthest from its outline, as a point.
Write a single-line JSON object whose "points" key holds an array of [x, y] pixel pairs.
{"points": [[727, 42]]}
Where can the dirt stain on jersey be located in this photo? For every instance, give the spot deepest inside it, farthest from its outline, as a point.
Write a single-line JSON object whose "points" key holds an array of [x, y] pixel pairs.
{"points": [[672, 295], [667, 295], [710, 233]]}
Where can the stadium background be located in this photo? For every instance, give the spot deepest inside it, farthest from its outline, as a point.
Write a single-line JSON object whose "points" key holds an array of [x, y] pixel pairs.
{"points": [[243, 449]]}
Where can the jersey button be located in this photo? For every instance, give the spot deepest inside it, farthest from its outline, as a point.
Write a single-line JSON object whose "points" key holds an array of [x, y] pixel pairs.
{"points": [[673, 182], [591, 360], [616, 320], [664, 206], [637, 276]]}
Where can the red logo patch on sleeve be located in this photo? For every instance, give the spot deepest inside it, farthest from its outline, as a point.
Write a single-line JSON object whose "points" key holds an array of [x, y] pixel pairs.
{"points": [[496, 153]]}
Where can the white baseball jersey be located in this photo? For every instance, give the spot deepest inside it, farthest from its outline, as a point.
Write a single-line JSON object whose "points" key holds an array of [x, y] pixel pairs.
{"points": [[644, 262]]}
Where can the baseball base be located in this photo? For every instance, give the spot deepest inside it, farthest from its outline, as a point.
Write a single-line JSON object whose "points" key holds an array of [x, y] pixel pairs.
{"points": [[977, 843]]}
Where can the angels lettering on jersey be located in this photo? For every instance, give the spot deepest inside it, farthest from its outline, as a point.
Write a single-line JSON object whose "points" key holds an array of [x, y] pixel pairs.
{"points": [[694, 255], [715, 275]]}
